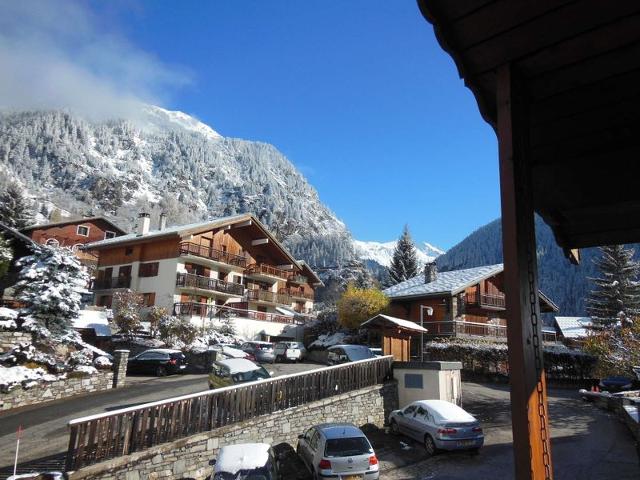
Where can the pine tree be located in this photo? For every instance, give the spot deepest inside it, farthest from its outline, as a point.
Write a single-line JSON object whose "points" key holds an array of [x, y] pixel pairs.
{"points": [[16, 210], [404, 264], [617, 293], [50, 284], [6, 255]]}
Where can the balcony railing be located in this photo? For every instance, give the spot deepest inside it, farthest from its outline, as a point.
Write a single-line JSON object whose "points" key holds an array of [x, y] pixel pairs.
{"points": [[111, 282], [189, 248], [490, 330], [262, 269], [297, 278], [257, 295], [188, 280], [295, 293], [207, 310], [485, 300]]}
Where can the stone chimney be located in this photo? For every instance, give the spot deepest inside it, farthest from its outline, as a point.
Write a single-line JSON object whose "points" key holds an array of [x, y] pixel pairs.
{"points": [[430, 272], [144, 222], [163, 221]]}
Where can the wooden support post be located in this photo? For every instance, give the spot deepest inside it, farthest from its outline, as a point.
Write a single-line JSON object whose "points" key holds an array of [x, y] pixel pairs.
{"points": [[530, 423]]}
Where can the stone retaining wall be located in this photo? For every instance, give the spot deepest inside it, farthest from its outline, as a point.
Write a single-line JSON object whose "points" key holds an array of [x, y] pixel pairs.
{"points": [[47, 391], [189, 457], [9, 339]]}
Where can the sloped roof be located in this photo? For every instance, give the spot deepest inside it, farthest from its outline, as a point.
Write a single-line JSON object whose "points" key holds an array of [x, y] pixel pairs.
{"points": [[574, 327], [12, 232], [445, 283], [74, 220], [398, 322], [308, 271]]}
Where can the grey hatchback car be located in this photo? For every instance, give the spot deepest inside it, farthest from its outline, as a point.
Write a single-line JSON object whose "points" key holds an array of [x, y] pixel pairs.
{"points": [[338, 450]]}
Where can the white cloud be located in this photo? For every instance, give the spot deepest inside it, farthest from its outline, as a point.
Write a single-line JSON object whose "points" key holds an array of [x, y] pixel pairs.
{"points": [[56, 54]]}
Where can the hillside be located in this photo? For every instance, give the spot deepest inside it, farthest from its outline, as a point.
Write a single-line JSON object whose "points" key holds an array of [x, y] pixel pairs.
{"points": [[566, 284], [166, 161]]}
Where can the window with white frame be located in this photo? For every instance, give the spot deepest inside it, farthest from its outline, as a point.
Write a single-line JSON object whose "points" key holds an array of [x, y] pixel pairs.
{"points": [[52, 242], [83, 230], [109, 234]]}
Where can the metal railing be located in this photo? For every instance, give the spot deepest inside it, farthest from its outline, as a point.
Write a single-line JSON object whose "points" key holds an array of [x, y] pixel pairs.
{"points": [[109, 435], [208, 310], [111, 282], [485, 300], [188, 280], [189, 248], [256, 295]]}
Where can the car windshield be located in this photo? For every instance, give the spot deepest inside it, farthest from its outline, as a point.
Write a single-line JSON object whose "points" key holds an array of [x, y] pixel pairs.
{"points": [[347, 447], [356, 354], [250, 376]]}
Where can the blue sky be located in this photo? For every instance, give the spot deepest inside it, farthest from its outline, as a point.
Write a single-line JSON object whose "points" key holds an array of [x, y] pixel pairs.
{"points": [[357, 94]]}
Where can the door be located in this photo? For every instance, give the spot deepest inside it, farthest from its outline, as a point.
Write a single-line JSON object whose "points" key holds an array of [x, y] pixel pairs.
{"points": [[305, 449], [405, 420]]}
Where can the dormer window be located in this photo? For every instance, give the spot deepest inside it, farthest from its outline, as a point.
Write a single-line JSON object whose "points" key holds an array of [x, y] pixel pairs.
{"points": [[109, 234], [83, 230]]}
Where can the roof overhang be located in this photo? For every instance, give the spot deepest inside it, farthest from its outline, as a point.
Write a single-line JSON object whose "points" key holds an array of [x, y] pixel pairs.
{"points": [[116, 228], [578, 64]]}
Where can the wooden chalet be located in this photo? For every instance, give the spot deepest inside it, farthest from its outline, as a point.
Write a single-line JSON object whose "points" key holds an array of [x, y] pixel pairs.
{"points": [[559, 81]]}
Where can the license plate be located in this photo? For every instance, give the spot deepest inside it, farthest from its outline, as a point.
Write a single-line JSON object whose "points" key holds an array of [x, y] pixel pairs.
{"points": [[466, 443], [352, 477]]}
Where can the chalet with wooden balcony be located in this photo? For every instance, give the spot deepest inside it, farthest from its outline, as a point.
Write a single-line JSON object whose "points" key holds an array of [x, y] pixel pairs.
{"points": [[458, 303], [75, 234], [228, 266]]}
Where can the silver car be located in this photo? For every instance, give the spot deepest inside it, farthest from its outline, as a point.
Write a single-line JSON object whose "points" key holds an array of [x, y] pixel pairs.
{"points": [[338, 450], [262, 351], [440, 425]]}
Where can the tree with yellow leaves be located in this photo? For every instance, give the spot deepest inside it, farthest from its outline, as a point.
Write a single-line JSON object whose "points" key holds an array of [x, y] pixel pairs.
{"points": [[358, 305]]}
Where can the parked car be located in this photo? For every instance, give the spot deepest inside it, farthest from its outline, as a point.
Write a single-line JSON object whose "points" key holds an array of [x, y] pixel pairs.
{"points": [[229, 351], [616, 384], [158, 361], [377, 351], [338, 450], [262, 351], [439, 425], [245, 461], [289, 351], [338, 354], [235, 370]]}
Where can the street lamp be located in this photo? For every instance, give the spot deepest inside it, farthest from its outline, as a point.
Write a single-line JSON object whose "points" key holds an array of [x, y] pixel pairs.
{"points": [[429, 312]]}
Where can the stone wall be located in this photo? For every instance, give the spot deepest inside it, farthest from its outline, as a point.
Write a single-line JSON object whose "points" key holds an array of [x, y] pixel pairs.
{"points": [[9, 339], [47, 391], [189, 457]]}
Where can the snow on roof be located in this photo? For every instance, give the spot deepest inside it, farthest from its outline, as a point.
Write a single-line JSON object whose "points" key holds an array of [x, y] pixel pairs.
{"points": [[447, 411], [239, 365], [386, 319], [286, 311], [245, 456], [96, 319], [229, 351], [73, 220], [446, 282], [174, 230], [574, 327]]}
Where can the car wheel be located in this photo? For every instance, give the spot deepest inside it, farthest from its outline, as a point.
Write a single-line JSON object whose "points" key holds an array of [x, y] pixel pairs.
{"points": [[395, 428], [161, 371], [429, 445]]}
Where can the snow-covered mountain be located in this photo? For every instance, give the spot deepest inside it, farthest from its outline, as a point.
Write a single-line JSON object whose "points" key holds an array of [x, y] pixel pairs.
{"points": [[381, 253], [161, 160]]}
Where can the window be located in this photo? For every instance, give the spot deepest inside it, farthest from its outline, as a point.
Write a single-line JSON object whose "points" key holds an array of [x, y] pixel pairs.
{"points": [[149, 299], [149, 269], [83, 230], [413, 380], [52, 242], [153, 356], [314, 440], [409, 410], [109, 234]]}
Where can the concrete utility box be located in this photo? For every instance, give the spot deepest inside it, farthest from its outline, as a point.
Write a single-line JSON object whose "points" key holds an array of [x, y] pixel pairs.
{"points": [[428, 381]]}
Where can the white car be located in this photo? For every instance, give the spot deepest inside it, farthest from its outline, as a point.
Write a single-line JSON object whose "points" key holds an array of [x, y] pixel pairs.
{"points": [[245, 461], [339, 451], [289, 351]]}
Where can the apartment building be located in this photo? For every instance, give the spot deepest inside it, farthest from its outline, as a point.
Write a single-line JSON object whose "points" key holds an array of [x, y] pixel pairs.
{"points": [[203, 271]]}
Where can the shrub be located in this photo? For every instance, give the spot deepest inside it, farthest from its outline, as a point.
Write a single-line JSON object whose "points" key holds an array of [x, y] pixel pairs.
{"points": [[358, 305]]}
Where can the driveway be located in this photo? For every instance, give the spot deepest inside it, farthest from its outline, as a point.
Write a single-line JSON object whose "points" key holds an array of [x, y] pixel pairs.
{"points": [[45, 426]]}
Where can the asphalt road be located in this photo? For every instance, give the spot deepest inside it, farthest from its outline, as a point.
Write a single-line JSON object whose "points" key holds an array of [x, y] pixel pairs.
{"points": [[45, 434]]}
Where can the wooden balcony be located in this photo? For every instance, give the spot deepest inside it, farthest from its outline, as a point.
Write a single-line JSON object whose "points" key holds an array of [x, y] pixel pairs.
{"points": [[263, 270], [297, 278], [257, 295], [210, 311], [295, 293], [482, 300], [460, 328], [187, 280], [189, 248], [111, 283]]}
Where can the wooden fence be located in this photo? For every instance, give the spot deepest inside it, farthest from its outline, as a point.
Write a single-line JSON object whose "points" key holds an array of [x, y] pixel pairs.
{"points": [[101, 437]]}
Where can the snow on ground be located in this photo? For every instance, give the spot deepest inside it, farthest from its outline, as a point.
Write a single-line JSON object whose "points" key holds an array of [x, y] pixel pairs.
{"points": [[8, 319], [382, 252], [329, 340], [11, 377], [160, 118], [102, 362], [235, 458]]}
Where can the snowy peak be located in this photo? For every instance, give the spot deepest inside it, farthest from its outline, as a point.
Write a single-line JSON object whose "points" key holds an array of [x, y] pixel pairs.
{"points": [[382, 252], [163, 119]]}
